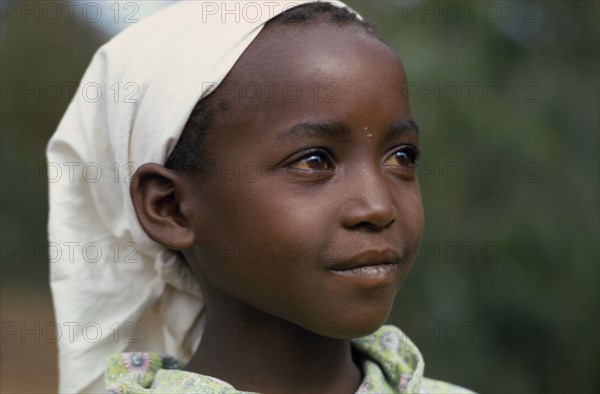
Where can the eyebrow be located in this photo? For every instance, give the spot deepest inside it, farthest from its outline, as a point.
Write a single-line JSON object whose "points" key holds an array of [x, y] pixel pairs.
{"points": [[330, 130], [340, 130], [404, 127]]}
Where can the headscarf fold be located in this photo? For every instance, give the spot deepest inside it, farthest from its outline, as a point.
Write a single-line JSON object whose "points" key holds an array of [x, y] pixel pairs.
{"points": [[114, 289]]}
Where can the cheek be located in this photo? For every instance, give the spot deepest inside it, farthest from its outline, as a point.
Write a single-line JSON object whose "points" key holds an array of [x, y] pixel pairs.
{"points": [[262, 213], [258, 244], [411, 217]]}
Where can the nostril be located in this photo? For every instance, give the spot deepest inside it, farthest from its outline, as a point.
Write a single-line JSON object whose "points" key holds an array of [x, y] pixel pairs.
{"points": [[372, 227], [369, 227]]}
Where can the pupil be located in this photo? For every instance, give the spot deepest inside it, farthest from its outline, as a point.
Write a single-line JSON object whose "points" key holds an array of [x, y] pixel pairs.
{"points": [[317, 160]]}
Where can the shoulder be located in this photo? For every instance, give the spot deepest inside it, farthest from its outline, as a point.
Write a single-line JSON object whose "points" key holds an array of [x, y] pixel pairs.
{"points": [[141, 363], [148, 373], [400, 362], [136, 369]]}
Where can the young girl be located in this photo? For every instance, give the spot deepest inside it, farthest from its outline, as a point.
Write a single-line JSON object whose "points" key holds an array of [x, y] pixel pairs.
{"points": [[272, 215]]}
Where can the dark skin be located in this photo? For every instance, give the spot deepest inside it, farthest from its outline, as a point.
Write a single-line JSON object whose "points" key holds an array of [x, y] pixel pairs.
{"points": [[336, 182]]}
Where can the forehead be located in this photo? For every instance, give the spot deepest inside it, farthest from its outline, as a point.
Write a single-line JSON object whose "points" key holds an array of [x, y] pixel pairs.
{"points": [[324, 70], [298, 53]]}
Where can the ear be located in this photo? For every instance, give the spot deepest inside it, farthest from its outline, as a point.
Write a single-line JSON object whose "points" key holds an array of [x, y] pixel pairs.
{"points": [[158, 194]]}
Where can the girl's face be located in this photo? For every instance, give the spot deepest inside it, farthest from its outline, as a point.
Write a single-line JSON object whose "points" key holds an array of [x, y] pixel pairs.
{"points": [[312, 178]]}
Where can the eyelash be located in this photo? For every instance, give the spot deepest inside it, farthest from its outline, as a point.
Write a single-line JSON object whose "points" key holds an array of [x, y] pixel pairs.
{"points": [[314, 152], [412, 153]]}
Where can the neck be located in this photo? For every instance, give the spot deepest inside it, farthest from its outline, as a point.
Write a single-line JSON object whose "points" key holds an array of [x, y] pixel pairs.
{"points": [[254, 351]]}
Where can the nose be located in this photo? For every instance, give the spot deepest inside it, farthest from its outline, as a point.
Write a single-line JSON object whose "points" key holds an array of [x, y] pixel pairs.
{"points": [[370, 204]]}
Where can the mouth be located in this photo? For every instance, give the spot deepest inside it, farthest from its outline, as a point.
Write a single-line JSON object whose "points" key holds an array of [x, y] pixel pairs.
{"points": [[373, 266], [369, 258]]}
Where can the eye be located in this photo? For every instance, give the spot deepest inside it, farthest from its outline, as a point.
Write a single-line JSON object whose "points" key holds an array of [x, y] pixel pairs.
{"points": [[405, 156], [315, 160]]}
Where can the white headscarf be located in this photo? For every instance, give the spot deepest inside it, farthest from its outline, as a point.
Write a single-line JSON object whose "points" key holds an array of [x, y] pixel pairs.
{"points": [[115, 289]]}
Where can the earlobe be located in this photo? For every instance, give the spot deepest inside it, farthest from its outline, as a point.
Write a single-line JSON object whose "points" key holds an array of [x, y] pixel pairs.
{"points": [[157, 194]]}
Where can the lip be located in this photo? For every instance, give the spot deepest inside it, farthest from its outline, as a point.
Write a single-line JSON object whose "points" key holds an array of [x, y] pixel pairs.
{"points": [[372, 267], [368, 258]]}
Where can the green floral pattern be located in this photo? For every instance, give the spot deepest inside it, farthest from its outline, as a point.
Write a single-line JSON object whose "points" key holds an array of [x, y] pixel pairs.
{"points": [[391, 364]]}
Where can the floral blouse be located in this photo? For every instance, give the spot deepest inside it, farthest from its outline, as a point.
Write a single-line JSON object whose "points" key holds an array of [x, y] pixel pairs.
{"points": [[392, 364]]}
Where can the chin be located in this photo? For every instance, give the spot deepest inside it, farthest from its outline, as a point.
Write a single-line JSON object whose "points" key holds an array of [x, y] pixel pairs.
{"points": [[352, 325]]}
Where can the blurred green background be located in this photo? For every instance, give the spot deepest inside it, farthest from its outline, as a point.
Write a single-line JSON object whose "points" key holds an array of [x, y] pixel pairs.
{"points": [[504, 296]]}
